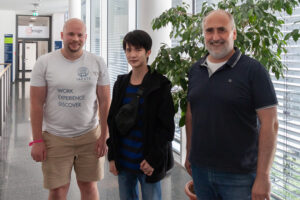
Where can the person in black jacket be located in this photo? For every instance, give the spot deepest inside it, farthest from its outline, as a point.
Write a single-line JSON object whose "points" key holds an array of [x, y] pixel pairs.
{"points": [[144, 152]]}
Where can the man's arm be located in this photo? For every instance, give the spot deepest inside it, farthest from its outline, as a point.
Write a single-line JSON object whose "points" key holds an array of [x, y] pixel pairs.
{"points": [[188, 130], [103, 95], [37, 101], [266, 150]]}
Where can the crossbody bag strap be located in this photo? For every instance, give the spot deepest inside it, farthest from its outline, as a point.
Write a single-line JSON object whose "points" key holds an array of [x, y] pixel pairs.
{"points": [[141, 89]]}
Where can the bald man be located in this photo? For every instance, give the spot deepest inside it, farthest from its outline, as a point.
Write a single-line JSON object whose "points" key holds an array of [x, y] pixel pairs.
{"points": [[228, 154], [67, 88]]}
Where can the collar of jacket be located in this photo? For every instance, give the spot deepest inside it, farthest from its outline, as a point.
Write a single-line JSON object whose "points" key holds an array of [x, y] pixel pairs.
{"points": [[151, 81]]}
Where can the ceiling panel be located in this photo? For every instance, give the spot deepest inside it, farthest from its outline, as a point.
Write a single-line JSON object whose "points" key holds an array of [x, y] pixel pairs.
{"points": [[46, 7]]}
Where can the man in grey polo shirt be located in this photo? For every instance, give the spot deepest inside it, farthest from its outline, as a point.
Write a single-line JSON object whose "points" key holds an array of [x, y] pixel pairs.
{"points": [[228, 154], [67, 88]]}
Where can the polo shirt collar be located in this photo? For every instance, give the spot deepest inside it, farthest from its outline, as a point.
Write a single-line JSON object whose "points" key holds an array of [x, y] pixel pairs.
{"points": [[231, 62]]}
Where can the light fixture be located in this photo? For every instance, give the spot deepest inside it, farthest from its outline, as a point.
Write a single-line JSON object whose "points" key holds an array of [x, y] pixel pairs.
{"points": [[35, 9], [35, 13]]}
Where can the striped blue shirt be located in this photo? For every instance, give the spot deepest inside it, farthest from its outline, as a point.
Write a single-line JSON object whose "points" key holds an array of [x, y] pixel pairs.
{"points": [[131, 149]]}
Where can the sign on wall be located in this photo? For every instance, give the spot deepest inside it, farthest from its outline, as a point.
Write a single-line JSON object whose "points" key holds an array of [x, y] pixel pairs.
{"points": [[33, 31], [8, 49], [57, 45]]}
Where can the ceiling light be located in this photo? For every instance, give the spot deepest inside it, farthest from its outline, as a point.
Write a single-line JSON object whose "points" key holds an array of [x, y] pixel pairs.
{"points": [[35, 13], [35, 9]]}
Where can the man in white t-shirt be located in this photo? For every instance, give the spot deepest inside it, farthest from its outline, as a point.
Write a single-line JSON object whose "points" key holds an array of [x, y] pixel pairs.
{"points": [[67, 88]]}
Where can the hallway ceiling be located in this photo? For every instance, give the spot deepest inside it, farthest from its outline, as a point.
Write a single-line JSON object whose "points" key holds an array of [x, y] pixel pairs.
{"points": [[46, 7]]}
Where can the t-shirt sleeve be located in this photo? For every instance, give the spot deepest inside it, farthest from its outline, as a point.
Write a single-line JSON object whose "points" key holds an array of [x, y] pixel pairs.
{"points": [[263, 90], [38, 73], [103, 78]]}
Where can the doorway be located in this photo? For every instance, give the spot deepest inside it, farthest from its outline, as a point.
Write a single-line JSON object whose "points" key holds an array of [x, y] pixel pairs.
{"points": [[33, 40], [32, 50]]}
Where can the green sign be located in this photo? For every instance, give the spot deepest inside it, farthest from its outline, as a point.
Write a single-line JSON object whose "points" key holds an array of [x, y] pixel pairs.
{"points": [[8, 40], [8, 50]]}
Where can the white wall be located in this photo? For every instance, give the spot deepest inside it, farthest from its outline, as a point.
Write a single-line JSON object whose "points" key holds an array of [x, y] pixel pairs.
{"points": [[147, 10], [75, 9], [7, 26], [58, 20]]}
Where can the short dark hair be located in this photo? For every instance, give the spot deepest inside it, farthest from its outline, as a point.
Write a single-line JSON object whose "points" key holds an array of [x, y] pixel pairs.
{"points": [[139, 39]]}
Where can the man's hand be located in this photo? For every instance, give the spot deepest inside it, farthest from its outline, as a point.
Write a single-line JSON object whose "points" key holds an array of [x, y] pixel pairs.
{"points": [[38, 152], [112, 168], [261, 188], [146, 168], [187, 165], [103, 96], [101, 147]]}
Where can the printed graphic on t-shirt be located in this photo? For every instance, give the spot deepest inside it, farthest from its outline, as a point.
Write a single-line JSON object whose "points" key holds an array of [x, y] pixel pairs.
{"points": [[83, 74], [67, 99]]}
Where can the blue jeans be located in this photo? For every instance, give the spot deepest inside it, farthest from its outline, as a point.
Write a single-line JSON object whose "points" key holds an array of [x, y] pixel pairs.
{"points": [[210, 184], [128, 187]]}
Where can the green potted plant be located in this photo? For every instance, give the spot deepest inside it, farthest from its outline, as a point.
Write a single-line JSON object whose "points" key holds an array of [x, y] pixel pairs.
{"points": [[258, 34]]}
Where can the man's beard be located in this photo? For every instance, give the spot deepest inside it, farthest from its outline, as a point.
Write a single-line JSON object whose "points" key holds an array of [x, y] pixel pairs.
{"points": [[226, 49], [74, 50]]}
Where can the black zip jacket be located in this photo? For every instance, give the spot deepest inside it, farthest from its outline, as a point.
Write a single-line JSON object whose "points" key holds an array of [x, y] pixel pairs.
{"points": [[158, 121]]}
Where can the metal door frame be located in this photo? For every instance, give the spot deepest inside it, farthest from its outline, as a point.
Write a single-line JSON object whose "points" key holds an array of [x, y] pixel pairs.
{"points": [[28, 40]]}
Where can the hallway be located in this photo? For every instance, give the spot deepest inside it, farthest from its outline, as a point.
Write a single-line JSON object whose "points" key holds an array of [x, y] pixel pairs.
{"points": [[21, 177]]}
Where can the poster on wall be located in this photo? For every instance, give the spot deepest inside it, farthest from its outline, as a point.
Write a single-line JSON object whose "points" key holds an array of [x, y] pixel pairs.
{"points": [[33, 31], [57, 45], [8, 50]]}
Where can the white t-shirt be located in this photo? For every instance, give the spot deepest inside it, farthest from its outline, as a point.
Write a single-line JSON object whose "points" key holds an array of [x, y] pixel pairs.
{"points": [[214, 66], [71, 104]]}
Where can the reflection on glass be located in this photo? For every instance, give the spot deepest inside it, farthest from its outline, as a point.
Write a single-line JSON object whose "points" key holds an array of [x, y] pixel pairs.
{"points": [[117, 29], [83, 11], [95, 27]]}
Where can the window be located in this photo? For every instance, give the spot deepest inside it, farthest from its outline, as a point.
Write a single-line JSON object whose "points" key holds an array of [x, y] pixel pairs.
{"points": [[95, 27], [85, 17], [107, 22], [175, 41], [198, 4], [177, 137], [117, 29], [285, 174], [83, 11]]}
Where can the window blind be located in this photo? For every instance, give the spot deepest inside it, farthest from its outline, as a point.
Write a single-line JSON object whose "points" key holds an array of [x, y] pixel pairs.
{"points": [[285, 174], [117, 29], [95, 27]]}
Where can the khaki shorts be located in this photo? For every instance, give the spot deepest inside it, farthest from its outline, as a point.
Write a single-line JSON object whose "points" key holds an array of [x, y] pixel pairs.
{"points": [[63, 153]]}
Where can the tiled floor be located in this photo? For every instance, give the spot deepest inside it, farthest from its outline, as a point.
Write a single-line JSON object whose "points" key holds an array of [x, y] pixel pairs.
{"points": [[21, 178]]}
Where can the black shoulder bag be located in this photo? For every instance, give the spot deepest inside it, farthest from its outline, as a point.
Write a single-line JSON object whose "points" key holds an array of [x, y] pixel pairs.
{"points": [[127, 116]]}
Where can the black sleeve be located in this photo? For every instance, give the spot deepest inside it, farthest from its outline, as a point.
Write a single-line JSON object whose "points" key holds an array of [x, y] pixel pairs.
{"points": [[110, 121], [262, 89], [164, 132], [110, 153]]}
